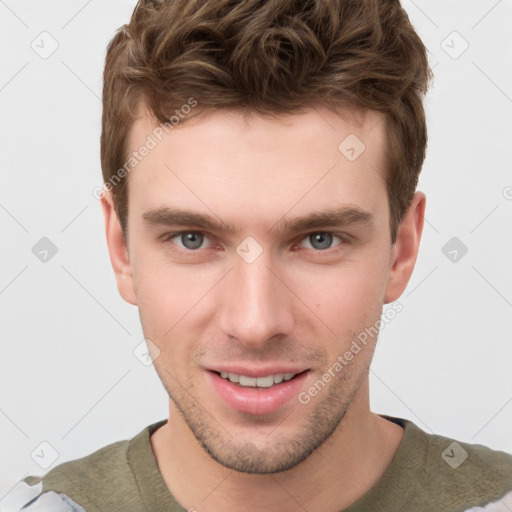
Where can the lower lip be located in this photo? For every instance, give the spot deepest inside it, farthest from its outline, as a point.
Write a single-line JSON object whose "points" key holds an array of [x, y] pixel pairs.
{"points": [[253, 400]]}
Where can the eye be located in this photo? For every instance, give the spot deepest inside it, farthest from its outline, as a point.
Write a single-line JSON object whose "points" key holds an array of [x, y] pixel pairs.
{"points": [[320, 241], [190, 240]]}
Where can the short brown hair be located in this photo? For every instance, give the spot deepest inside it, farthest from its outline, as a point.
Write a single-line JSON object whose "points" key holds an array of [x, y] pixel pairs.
{"points": [[270, 57]]}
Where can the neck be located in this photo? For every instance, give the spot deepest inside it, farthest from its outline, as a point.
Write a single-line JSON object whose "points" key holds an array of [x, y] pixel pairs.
{"points": [[336, 475]]}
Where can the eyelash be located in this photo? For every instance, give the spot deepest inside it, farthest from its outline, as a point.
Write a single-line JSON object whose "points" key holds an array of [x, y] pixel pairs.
{"points": [[343, 238]]}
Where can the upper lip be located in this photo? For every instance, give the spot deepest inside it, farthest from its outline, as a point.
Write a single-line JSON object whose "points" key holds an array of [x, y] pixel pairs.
{"points": [[257, 371]]}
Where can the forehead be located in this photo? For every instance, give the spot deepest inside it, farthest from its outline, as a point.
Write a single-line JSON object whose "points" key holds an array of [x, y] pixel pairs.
{"points": [[229, 163]]}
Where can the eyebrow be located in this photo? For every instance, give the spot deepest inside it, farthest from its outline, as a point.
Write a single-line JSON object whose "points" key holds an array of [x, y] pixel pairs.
{"points": [[339, 217]]}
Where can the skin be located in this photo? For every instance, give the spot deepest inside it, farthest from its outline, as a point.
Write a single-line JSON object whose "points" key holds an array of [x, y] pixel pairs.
{"points": [[294, 303]]}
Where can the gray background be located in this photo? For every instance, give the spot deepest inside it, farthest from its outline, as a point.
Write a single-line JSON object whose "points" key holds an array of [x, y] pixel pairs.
{"points": [[69, 376]]}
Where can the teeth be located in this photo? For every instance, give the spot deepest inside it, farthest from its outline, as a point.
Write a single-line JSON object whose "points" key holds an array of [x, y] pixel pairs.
{"points": [[265, 382], [247, 381], [260, 382]]}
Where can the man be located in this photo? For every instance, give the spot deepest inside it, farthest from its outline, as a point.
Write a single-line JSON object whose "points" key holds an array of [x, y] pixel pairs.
{"points": [[260, 161]]}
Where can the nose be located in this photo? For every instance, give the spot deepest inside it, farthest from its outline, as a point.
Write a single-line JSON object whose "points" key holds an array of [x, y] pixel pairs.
{"points": [[255, 304]]}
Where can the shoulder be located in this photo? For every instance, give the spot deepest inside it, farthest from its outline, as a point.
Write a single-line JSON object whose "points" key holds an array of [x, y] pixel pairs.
{"points": [[458, 475], [468, 465], [92, 483], [28, 497], [104, 465], [70, 485]]}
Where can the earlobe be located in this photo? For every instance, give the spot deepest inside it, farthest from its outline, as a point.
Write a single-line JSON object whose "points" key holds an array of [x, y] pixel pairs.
{"points": [[119, 254], [405, 249]]}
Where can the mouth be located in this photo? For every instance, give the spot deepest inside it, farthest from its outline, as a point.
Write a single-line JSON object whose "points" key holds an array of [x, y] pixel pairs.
{"points": [[266, 381], [256, 394]]}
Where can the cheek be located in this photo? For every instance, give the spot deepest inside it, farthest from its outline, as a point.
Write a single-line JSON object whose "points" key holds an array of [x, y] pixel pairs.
{"points": [[173, 300], [166, 309], [347, 298], [178, 303]]}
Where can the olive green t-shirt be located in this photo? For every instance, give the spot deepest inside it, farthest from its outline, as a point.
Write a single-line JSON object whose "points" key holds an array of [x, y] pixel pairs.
{"points": [[429, 473]]}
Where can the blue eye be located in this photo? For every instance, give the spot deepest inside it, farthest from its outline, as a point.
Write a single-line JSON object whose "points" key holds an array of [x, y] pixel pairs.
{"points": [[192, 241], [321, 240], [189, 239]]}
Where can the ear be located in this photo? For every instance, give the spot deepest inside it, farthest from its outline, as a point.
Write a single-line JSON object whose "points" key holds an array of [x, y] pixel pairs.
{"points": [[405, 249], [119, 255]]}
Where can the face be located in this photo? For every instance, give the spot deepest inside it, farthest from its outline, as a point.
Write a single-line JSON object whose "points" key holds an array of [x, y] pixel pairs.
{"points": [[258, 251]]}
